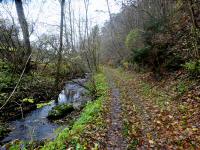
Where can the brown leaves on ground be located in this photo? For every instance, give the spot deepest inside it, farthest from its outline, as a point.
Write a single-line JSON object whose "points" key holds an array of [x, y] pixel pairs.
{"points": [[95, 133], [153, 116], [147, 124]]}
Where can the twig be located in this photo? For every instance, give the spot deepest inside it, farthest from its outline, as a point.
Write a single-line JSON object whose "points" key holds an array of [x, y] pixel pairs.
{"points": [[21, 109]]}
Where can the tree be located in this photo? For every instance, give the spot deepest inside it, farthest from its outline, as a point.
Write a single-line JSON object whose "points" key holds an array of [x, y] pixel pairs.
{"points": [[62, 4], [24, 26]]}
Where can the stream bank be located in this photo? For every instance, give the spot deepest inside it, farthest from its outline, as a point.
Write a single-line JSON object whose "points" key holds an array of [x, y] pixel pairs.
{"points": [[89, 130], [36, 127]]}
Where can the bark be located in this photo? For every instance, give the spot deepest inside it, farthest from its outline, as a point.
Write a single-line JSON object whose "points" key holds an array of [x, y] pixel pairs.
{"points": [[61, 44], [24, 26], [71, 26]]}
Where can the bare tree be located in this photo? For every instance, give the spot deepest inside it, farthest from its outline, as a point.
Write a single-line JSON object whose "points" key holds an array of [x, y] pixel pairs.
{"points": [[70, 11], [61, 44], [112, 31], [24, 26]]}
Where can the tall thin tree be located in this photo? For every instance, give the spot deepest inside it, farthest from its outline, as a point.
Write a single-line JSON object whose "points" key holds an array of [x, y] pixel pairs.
{"points": [[62, 4]]}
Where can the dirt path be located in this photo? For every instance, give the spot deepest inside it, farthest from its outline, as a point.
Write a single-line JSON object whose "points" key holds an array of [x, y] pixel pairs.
{"points": [[114, 135], [148, 125]]}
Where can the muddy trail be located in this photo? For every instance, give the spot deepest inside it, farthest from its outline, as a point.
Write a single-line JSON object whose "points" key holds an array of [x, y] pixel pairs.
{"points": [[115, 138]]}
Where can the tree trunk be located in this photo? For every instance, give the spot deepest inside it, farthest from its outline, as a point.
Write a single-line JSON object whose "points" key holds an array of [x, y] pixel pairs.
{"points": [[71, 26], [24, 26], [61, 45]]}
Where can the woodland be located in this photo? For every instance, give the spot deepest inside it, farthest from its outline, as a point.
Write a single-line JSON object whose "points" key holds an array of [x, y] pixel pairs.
{"points": [[131, 82]]}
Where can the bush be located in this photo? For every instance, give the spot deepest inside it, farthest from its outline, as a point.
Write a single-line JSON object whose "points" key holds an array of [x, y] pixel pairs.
{"points": [[174, 62], [5, 80], [139, 55], [126, 65], [151, 47], [182, 87], [132, 38], [193, 67]]}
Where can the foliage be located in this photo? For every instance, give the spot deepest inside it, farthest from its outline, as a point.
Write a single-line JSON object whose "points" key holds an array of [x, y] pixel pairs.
{"points": [[33, 88], [193, 67], [182, 87], [131, 38], [126, 65], [6, 80], [151, 47], [156, 39], [60, 111], [28, 100], [3, 65], [15, 147], [140, 55], [173, 62]]}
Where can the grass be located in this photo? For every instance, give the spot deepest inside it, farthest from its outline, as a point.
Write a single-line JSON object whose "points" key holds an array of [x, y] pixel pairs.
{"points": [[90, 115]]}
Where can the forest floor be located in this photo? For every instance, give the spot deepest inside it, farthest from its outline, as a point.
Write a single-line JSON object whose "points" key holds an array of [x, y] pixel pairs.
{"points": [[152, 115]]}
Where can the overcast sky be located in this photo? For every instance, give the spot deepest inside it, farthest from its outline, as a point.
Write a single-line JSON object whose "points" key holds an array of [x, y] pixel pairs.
{"points": [[46, 13]]}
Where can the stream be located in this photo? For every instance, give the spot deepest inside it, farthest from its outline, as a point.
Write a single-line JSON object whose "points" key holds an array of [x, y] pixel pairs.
{"points": [[35, 126]]}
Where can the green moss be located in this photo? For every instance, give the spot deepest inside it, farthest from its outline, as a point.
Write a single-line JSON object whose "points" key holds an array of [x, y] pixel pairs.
{"points": [[44, 104], [60, 111], [28, 100], [193, 67]]}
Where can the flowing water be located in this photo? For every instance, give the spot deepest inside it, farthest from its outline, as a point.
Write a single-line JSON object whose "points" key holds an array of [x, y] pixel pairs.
{"points": [[35, 126]]}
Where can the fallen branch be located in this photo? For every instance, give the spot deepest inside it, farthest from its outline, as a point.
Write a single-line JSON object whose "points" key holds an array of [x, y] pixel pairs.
{"points": [[17, 83]]}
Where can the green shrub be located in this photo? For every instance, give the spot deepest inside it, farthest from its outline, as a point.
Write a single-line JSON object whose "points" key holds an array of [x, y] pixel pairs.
{"points": [[150, 48], [139, 55], [174, 62], [193, 67], [5, 66], [5, 80], [182, 87], [132, 38]]}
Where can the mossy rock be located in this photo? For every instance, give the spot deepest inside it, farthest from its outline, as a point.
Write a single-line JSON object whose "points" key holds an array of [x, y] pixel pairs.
{"points": [[60, 111]]}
